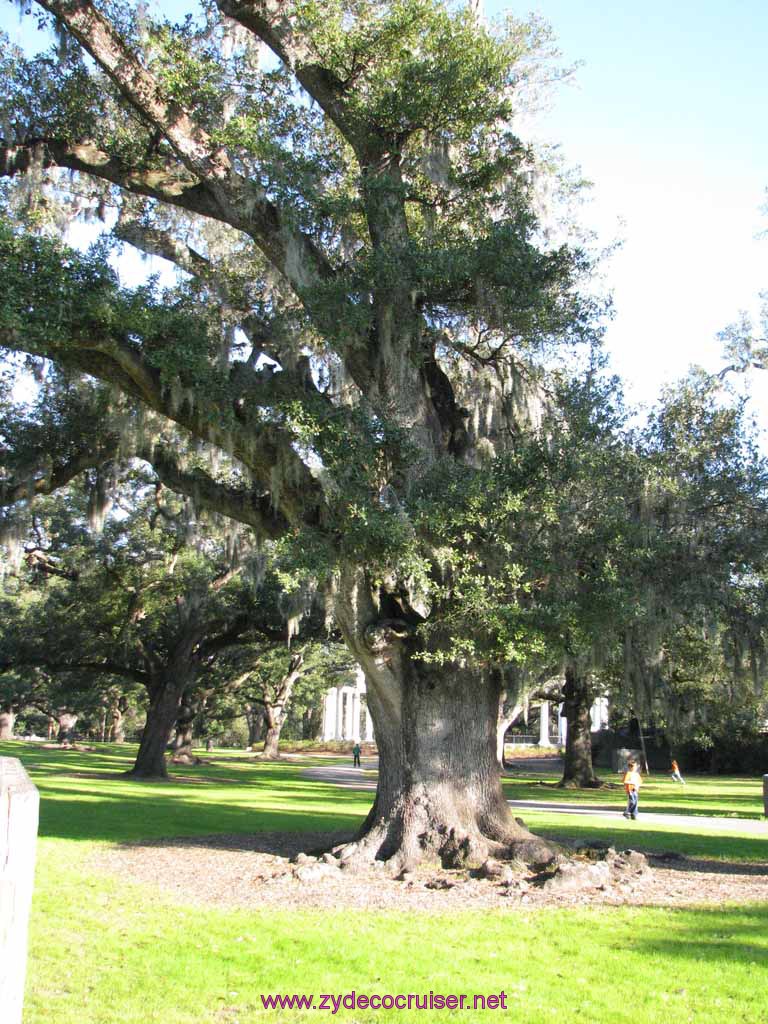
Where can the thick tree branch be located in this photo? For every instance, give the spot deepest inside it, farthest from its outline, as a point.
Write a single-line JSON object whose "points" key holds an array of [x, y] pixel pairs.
{"points": [[47, 479], [142, 90], [156, 242], [94, 348], [242, 505], [237, 202], [108, 667], [274, 25]]}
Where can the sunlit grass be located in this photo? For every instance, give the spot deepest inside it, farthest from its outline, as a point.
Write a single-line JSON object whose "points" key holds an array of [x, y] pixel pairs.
{"points": [[719, 796], [110, 952]]}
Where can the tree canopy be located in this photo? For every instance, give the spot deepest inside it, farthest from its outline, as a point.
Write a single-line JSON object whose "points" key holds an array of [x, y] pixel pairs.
{"points": [[353, 361]]}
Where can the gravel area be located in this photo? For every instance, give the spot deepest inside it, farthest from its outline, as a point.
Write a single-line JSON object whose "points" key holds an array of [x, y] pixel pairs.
{"points": [[258, 871]]}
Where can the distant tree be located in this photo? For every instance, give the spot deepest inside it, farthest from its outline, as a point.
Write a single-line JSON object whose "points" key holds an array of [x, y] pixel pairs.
{"points": [[147, 601], [705, 497]]}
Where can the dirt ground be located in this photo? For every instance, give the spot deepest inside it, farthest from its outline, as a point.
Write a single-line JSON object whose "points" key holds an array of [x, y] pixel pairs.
{"points": [[259, 871]]}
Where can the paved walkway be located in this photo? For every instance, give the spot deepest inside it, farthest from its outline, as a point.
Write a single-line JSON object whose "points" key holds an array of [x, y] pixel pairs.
{"points": [[361, 778]]}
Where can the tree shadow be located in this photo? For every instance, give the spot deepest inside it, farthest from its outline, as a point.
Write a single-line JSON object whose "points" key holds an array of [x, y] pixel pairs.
{"points": [[275, 843], [688, 865], [719, 935], [715, 847]]}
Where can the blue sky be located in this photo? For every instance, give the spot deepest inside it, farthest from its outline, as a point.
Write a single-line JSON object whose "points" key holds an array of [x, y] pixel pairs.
{"points": [[666, 116]]}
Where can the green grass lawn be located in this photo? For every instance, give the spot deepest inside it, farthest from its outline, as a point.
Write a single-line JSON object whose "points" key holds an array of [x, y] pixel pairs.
{"points": [[722, 796], [105, 952]]}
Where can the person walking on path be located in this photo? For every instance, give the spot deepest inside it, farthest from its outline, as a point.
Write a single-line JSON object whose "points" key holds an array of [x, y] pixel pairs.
{"points": [[632, 783], [356, 756], [675, 773]]}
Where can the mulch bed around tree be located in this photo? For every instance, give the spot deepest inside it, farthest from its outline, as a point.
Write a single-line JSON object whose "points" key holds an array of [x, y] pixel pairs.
{"points": [[256, 872]]}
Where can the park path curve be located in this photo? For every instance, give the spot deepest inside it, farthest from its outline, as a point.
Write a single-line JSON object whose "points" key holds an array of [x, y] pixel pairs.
{"points": [[363, 778]]}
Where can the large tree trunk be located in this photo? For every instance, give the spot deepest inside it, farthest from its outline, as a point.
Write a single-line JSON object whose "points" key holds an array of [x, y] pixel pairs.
{"points": [[274, 722], [162, 713], [439, 792], [578, 772], [7, 722], [276, 706], [182, 741], [254, 717], [507, 718], [117, 721], [67, 721]]}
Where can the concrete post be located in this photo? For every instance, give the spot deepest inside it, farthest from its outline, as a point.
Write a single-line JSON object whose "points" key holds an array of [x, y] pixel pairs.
{"points": [[765, 795], [19, 802]]}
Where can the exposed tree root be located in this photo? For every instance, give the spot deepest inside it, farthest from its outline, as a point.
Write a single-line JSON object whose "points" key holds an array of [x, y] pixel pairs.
{"points": [[186, 757], [401, 849], [593, 783]]}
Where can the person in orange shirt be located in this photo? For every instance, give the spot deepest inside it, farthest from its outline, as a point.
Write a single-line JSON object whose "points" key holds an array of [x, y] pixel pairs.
{"points": [[632, 783], [675, 773]]}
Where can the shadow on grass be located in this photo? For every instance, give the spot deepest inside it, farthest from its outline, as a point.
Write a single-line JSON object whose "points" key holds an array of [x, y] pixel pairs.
{"points": [[720, 935], [279, 843], [121, 818], [724, 867], [716, 847], [85, 795], [743, 799]]}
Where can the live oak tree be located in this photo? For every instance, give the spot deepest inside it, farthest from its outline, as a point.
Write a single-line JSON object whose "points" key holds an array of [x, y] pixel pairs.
{"points": [[269, 677], [702, 634], [270, 681], [146, 602], [326, 663], [359, 206]]}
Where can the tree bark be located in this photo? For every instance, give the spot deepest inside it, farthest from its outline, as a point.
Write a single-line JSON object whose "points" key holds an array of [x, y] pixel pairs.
{"points": [[505, 720], [67, 722], [162, 713], [311, 724], [182, 741], [272, 738], [254, 717], [7, 722], [117, 722], [578, 772], [276, 706], [439, 792]]}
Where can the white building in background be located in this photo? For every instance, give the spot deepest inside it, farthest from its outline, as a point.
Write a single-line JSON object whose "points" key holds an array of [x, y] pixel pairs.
{"points": [[598, 715], [345, 713], [346, 716]]}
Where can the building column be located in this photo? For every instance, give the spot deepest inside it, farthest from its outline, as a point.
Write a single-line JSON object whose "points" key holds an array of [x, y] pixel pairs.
{"points": [[598, 714], [329, 714], [339, 713], [355, 716], [348, 713], [368, 726], [544, 725], [562, 727]]}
